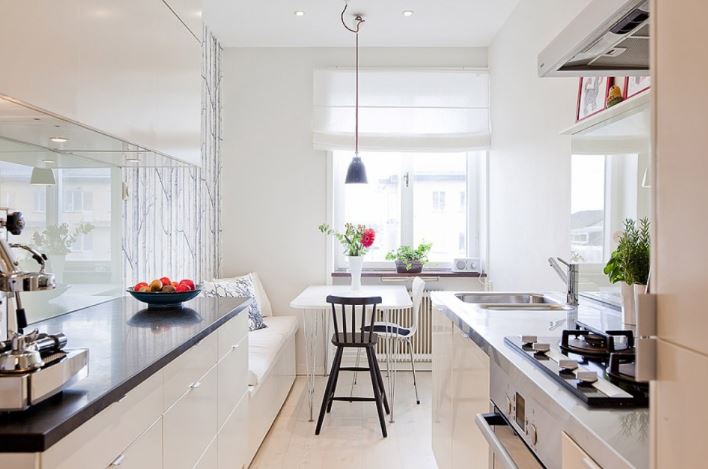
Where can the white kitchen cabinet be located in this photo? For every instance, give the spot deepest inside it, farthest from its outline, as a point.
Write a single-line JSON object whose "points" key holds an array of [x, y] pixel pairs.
{"points": [[575, 457], [231, 369], [210, 458], [143, 453], [130, 69], [442, 389], [233, 437], [470, 396], [186, 369], [191, 423], [460, 392]]}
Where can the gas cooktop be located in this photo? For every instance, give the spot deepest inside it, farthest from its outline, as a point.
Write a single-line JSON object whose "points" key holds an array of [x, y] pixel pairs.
{"points": [[597, 367]]}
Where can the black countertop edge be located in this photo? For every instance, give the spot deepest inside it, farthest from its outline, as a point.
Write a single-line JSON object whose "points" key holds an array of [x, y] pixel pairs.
{"points": [[34, 442], [425, 273]]}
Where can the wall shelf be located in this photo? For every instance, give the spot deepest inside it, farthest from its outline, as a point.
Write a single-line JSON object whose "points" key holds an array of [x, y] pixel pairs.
{"points": [[610, 116]]}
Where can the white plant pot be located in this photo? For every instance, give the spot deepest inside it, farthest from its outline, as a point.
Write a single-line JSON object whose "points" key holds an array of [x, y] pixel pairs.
{"points": [[56, 266], [355, 265], [629, 315], [639, 289]]}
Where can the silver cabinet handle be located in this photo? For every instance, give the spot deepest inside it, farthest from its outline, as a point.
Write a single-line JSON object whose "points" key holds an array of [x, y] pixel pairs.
{"points": [[118, 461], [195, 385], [235, 347], [482, 421]]}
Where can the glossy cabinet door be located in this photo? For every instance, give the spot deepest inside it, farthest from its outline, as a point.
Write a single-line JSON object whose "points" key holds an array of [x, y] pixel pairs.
{"points": [[470, 396], [575, 457], [143, 453], [442, 389], [233, 437], [210, 459], [233, 369], [191, 424]]}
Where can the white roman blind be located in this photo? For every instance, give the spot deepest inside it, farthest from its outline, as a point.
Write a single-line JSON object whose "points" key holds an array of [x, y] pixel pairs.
{"points": [[423, 110]]}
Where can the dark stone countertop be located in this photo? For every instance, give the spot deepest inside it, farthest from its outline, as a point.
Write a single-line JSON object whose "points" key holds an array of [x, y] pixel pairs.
{"points": [[127, 344]]}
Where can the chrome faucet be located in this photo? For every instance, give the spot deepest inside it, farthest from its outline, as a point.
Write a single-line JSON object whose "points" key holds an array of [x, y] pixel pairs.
{"points": [[570, 277]]}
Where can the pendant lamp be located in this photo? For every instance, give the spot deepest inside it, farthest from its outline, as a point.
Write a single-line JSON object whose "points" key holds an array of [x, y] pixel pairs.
{"points": [[356, 173]]}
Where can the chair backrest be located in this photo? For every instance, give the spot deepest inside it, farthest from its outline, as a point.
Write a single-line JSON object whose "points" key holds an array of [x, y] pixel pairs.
{"points": [[349, 327], [417, 291]]}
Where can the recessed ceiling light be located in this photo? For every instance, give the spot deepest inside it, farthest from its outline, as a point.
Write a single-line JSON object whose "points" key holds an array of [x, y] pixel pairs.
{"points": [[299, 13], [408, 13], [58, 139]]}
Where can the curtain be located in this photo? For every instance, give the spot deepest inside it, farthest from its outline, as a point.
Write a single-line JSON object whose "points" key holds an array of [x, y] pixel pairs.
{"points": [[402, 110]]}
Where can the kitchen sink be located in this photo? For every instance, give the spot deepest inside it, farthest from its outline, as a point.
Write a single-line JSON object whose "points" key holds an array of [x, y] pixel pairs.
{"points": [[503, 301], [504, 298]]}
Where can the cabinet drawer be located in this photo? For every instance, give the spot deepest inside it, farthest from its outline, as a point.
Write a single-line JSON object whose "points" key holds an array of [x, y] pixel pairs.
{"points": [[97, 442], [190, 424], [233, 378], [143, 453], [210, 459], [575, 457], [233, 437], [235, 330], [186, 369]]}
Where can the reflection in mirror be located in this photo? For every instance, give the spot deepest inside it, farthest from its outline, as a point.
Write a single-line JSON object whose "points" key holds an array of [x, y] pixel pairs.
{"points": [[76, 223], [610, 182]]}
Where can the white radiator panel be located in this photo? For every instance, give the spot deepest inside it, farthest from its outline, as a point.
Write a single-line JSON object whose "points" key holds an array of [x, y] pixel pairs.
{"points": [[422, 340]]}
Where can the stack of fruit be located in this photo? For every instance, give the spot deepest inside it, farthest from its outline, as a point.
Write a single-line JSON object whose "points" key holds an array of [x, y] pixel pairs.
{"points": [[165, 285]]}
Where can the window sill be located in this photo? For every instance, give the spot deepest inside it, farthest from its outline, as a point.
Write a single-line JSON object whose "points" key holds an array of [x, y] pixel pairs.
{"points": [[375, 273]]}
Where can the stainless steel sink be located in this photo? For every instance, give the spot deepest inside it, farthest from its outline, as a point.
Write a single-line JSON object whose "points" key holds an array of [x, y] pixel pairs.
{"points": [[504, 298], [503, 301]]}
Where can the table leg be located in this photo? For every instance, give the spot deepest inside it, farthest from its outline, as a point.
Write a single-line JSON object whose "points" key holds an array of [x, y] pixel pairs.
{"points": [[310, 332], [325, 342]]}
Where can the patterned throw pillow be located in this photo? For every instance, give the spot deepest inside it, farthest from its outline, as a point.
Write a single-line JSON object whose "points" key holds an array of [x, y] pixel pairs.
{"points": [[239, 287]]}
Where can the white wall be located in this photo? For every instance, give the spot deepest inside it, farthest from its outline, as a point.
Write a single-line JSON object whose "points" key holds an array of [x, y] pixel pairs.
{"points": [[273, 182], [529, 165]]}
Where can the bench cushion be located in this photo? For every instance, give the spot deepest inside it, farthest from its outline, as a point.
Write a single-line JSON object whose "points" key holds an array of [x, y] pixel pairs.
{"points": [[265, 344]]}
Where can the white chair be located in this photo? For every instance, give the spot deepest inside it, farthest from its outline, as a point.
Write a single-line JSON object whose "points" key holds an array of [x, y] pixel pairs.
{"points": [[391, 330]]}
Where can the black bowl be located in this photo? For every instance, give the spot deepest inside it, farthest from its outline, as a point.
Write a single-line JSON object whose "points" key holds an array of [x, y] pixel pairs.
{"points": [[165, 300]]}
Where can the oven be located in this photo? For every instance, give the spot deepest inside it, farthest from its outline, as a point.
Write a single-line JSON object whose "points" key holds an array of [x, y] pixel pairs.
{"points": [[508, 448]]}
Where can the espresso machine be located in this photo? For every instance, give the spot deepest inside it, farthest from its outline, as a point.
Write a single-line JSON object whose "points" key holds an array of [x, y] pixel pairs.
{"points": [[33, 366]]}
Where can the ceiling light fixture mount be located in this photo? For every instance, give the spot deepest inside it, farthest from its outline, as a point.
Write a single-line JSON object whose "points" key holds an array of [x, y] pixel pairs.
{"points": [[356, 173], [408, 13], [299, 13]]}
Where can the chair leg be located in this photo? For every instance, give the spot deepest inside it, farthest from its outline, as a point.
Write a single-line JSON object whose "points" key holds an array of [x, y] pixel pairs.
{"points": [[327, 394], [381, 385], [415, 383], [338, 361], [377, 394], [358, 355]]}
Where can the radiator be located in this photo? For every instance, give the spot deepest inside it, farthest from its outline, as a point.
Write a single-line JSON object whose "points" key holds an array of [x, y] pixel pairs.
{"points": [[422, 340]]}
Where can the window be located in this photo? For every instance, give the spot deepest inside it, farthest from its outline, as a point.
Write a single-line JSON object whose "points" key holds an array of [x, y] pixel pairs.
{"points": [[405, 201], [40, 200], [77, 201], [587, 208]]}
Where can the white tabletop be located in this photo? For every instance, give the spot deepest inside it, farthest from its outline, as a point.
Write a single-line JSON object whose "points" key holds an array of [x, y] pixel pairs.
{"points": [[315, 297]]}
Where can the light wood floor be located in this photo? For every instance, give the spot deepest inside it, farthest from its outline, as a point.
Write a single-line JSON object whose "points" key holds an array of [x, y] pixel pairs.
{"points": [[351, 435]]}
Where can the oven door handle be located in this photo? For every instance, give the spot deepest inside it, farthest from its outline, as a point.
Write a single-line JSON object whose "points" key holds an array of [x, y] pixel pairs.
{"points": [[485, 423]]}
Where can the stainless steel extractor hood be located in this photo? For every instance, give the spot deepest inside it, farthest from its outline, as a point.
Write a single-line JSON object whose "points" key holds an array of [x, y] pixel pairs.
{"points": [[609, 37]]}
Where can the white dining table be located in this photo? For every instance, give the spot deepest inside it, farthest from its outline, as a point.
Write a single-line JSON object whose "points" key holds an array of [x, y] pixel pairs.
{"points": [[313, 301]]}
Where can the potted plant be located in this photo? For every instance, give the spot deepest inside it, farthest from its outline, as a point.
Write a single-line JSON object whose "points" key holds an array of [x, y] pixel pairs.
{"points": [[629, 265], [56, 241], [356, 240], [409, 260]]}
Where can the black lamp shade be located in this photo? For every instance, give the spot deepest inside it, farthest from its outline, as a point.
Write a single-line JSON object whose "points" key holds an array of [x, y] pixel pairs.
{"points": [[356, 173]]}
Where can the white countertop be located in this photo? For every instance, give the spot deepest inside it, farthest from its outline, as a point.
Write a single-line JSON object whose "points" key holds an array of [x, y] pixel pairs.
{"points": [[622, 431], [315, 297]]}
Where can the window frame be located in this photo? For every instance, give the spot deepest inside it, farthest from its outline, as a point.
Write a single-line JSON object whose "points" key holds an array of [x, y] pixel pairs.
{"points": [[475, 214]]}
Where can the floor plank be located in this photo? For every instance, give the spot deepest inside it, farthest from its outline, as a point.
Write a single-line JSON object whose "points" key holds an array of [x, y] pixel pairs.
{"points": [[351, 435]]}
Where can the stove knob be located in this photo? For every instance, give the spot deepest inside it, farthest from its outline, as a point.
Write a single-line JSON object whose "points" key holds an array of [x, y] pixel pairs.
{"points": [[532, 433], [586, 376], [529, 339], [568, 364], [539, 347]]}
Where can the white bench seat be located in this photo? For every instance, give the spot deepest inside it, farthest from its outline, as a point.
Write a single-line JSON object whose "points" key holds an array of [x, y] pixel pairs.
{"points": [[265, 345]]}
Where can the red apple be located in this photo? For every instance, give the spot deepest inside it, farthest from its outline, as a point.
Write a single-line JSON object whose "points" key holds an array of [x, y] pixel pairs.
{"points": [[166, 281], [188, 283], [139, 285], [181, 288]]}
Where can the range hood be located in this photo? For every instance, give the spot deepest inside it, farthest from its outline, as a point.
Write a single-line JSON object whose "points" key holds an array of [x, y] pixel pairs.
{"points": [[38, 138], [609, 37]]}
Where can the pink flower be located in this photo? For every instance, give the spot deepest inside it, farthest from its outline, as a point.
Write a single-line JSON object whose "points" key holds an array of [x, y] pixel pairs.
{"points": [[367, 238]]}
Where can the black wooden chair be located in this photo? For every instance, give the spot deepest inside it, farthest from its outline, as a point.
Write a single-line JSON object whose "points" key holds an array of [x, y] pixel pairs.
{"points": [[354, 337]]}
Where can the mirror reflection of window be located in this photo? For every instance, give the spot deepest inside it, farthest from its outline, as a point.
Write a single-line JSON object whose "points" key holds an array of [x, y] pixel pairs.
{"points": [[587, 209]]}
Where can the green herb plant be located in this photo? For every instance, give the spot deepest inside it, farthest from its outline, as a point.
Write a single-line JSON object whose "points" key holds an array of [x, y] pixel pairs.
{"points": [[407, 255]]}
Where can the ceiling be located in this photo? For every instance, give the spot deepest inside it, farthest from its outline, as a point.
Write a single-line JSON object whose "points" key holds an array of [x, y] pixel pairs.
{"points": [[435, 23]]}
